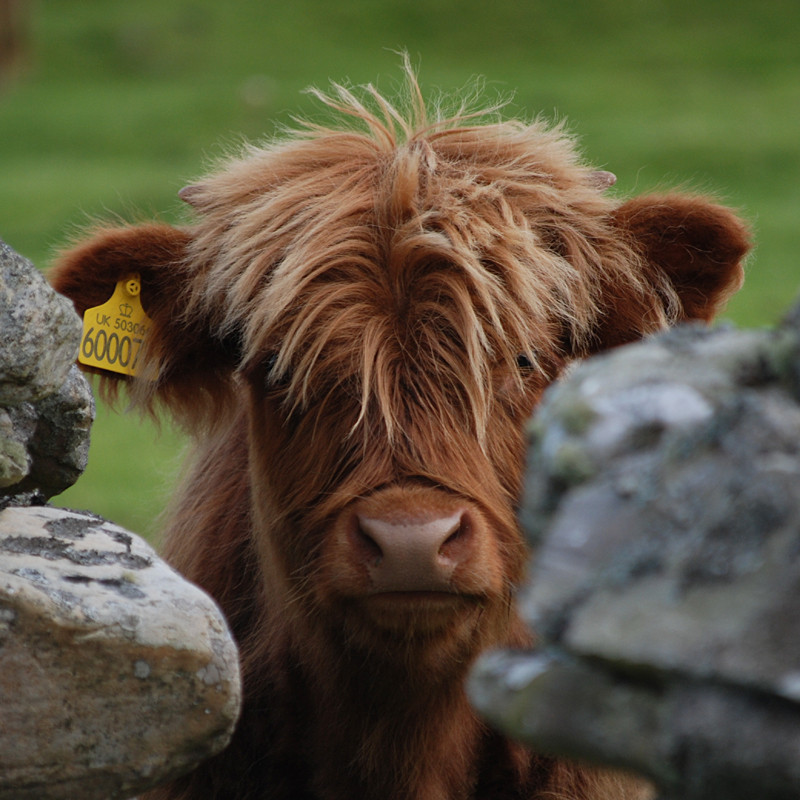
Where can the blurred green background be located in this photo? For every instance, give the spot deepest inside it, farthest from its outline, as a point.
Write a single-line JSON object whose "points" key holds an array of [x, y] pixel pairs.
{"points": [[111, 107]]}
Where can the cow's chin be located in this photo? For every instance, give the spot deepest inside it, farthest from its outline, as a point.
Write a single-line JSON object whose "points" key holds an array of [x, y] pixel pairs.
{"points": [[419, 613], [439, 630]]}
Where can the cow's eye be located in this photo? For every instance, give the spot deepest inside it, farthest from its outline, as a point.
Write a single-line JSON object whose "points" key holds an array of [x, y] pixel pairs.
{"points": [[524, 362]]}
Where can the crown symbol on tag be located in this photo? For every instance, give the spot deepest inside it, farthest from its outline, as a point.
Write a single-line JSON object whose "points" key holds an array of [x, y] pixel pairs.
{"points": [[125, 310]]}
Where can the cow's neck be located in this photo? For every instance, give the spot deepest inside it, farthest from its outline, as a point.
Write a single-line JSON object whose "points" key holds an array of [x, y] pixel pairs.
{"points": [[392, 740], [371, 728]]}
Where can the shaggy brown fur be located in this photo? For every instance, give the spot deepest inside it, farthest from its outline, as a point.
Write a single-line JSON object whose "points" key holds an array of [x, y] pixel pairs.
{"points": [[355, 330]]}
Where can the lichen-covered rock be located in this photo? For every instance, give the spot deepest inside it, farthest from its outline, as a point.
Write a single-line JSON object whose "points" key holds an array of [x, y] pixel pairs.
{"points": [[17, 426], [691, 453], [663, 503], [115, 673], [46, 405], [56, 437], [695, 739], [40, 332]]}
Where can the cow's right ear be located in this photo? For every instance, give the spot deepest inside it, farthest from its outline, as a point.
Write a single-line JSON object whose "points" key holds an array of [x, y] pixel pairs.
{"points": [[182, 364]]}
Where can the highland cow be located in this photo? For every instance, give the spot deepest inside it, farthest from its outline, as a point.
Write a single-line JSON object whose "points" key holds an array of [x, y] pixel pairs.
{"points": [[354, 329]]}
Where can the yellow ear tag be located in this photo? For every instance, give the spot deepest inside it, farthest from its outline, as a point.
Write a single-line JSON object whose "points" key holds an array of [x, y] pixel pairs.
{"points": [[113, 332]]}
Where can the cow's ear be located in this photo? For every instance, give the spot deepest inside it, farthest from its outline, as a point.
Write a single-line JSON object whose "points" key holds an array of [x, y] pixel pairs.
{"points": [[692, 255], [182, 363]]}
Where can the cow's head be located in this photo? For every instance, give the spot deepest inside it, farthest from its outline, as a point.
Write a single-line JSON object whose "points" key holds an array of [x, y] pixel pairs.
{"points": [[385, 307]]}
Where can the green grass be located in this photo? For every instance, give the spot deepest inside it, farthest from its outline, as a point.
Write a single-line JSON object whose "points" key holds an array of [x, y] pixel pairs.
{"points": [[123, 103]]}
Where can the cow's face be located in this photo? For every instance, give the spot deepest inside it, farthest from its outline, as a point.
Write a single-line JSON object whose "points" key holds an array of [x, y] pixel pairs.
{"points": [[380, 543], [385, 309], [385, 446], [397, 329]]}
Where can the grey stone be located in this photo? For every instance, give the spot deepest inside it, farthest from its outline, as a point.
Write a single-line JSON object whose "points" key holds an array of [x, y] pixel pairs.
{"points": [[662, 501], [693, 739], [46, 405], [58, 445], [115, 673], [40, 332], [17, 426]]}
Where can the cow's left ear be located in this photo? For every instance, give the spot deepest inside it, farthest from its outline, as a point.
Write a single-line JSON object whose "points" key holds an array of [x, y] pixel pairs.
{"points": [[182, 364], [690, 245]]}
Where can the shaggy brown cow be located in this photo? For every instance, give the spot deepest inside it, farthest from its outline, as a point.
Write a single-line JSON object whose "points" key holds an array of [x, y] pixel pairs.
{"points": [[355, 330]]}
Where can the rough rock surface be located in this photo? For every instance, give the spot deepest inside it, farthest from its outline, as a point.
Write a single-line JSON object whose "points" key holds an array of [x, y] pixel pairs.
{"points": [[46, 405], [663, 503], [115, 673], [45, 446], [41, 332]]}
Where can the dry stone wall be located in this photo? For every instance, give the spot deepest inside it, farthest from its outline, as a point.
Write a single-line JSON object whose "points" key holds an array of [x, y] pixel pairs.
{"points": [[115, 673], [46, 406], [662, 502]]}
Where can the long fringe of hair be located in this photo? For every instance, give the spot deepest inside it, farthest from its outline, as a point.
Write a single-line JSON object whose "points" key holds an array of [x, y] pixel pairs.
{"points": [[406, 253]]}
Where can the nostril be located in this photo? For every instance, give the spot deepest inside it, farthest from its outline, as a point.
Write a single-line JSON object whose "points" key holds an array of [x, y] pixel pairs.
{"points": [[370, 550], [458, 538], [458, 533], [451, 539]]}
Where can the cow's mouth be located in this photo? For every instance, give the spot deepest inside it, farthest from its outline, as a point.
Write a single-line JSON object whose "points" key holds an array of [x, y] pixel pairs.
{"points": [[413, 599], [421, 611]]}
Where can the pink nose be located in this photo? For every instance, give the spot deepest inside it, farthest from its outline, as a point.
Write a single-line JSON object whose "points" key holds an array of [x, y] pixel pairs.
{"points": [[413, 554]]}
